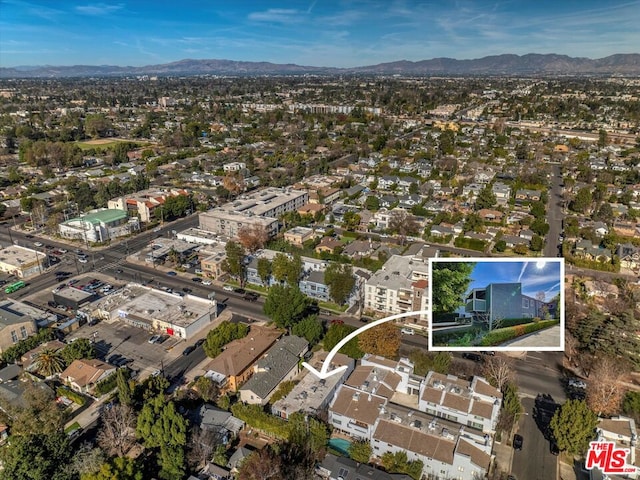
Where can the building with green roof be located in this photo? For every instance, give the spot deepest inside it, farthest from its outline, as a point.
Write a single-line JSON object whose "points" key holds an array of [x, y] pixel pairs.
{"points": [[99, 226]]}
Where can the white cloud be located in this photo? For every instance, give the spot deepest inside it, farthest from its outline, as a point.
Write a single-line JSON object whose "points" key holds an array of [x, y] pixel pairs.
{"points": [[98, 9]]}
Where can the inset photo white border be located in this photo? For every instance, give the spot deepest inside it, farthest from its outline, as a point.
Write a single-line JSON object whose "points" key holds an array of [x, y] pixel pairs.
{"points": [[515, 269]]}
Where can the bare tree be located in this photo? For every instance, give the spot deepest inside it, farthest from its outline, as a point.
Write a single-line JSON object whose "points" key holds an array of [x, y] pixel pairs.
{"points": [[403, 224], [253, 237], [605, 389], [201, 447], [87, 459], [571, 345], [498, 370], [118, 432]]}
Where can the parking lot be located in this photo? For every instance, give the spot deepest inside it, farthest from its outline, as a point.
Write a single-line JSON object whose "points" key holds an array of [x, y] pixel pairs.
{"points": [[116, 337]]}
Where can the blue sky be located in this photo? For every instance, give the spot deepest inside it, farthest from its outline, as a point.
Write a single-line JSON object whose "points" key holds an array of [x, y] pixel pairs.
{"points": [[535, 276], [343, 33]]}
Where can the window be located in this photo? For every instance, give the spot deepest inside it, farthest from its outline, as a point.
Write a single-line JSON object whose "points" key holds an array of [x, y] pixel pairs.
{"points": [[23, 331], [14, 336], [461, 469], [525, 302]]}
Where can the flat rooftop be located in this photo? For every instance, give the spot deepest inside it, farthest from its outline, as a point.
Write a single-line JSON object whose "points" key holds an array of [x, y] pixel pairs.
{"points": [[74, 294], [20, 257], [149, 303], [12, 311]]}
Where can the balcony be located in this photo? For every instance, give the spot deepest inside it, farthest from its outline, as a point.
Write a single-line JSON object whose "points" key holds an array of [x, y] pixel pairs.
{"points": [[475, 305]]}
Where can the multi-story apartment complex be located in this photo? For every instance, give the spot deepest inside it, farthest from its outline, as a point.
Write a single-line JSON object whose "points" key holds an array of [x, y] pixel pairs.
{"points": [[261, 208], [443, 421], [399, 286], [145, 202]]}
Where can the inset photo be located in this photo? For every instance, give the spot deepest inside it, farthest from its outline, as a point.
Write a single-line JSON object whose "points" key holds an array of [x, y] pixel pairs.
{"points": [[496, 304]]}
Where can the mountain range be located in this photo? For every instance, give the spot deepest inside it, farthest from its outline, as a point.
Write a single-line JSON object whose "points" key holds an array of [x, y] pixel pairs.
{"points": [[507, 64]]}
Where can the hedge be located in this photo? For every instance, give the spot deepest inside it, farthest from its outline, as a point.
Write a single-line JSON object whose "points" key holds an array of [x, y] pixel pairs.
{"points": [[254, 416], [470, 243], [512, 322], [109, 383], [75, 397], [501, 335]]}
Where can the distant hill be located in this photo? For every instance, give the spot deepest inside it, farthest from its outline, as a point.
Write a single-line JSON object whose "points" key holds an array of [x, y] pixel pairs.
{"points": [[507, 64]]}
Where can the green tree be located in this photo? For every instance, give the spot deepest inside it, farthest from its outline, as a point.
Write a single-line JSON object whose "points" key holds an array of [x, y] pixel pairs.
{"points": [[582, 202], [500, 246], [118, 468], [399, 463], [309, 328], [36, 457], [539, 227], [234, 263], [602, 138], [449, 283], [336, 332], [486, 198], [340, 280], [285, 305], [221, 335], [161, 426], [573, 426], [360, 451], [125, 390], [631, 405], [49, 361], [286, 269], [264, 270], [537, 243], [424, 362], [81, 348], [372, 203]]}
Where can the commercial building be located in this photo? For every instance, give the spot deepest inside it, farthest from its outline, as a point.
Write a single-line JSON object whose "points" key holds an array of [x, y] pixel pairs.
{"points": [[182, 316], [72, 297], [144, 203], [22, 262], [260, 209], [99, 226]]}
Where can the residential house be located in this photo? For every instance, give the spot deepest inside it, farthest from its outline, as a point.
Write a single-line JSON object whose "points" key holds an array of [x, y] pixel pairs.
{"points": [[526, 195], [84, 374], [15, 324], [279, 364], [28, 359], [235, 364], [629, 255], [409, 201], [471, 191], [600, 228], [222, 423], [490, 215], [502, 193], [342, 468], [310, 395], [328, 245], [622, 431], [360, 248], [355, 412]]}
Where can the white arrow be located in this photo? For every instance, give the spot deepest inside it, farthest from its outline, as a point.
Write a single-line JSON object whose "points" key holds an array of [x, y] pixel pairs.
{"points": [[324, 373]]}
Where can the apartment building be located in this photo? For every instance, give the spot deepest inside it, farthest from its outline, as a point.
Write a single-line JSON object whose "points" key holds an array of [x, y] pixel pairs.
{"points": [[144, 203], [399, 286], [261, 208]]}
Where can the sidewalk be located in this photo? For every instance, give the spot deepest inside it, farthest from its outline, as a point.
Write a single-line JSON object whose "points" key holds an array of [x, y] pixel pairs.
{"points": [[549, 337]]}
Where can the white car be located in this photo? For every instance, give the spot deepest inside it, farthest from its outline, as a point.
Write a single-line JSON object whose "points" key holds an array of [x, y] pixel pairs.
{"points": [[408, 331], [38, 244], [577, 383], [228, 288], [206, 282], [83, 260]]}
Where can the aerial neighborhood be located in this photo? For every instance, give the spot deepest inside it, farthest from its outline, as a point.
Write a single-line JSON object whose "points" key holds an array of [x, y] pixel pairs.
{"points": [[175, 250]]}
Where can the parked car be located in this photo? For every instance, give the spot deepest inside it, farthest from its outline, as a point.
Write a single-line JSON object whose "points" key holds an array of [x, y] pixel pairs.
{"points": [[554, 449], [250, 296], [577, 383], [172, 273], [196, 279], [206, 282], [154, 339], [408, 331], [472, 356], [517, 442], [114, 358], [188, 350], [241, 291], [38, 244], [187, 290], [199, 342], [228, 288]]}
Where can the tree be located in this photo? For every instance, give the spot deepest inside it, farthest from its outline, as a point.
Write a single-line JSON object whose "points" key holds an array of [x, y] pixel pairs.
{"points": [[403, 224], [125, 389], [285, 305], [573, 426], [49, 361], [340, 280], [161, 426], [350, 220], [360, 451], [537, 243], [118, 468], [264, 270], [424, 362], [117, 433], [381, 340], [234, 263], [498, 370], [97, 125], [631, 405], [309, 328], [221, 335], [87, 459], [81, 348], [449, 283], [602, 138], [202, 445], [582, 202], [398, 462], [486, 198], [40, 414], [207, 389], [263, 464], [36, 457], [605, 390], [286, 269], [253, 237], [336, 332], [539, 227]]}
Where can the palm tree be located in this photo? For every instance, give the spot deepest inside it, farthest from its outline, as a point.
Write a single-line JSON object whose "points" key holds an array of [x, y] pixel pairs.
{"points": [[49, 362]]}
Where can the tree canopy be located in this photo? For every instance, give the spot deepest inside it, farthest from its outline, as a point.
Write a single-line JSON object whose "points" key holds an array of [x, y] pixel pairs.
{"points": [[340, 280], [381, 340], [285, 305], [449, 282], [573, 426]]}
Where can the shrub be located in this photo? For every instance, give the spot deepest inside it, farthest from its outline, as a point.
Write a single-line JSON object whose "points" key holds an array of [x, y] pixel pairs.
{"points": [[500, 335], [75, 397], [109, 383]]}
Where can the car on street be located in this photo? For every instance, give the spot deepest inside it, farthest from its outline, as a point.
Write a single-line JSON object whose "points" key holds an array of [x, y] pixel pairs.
{"points": [[114, 358], [517, 442], [577, 383], [408, 331], [118, 270], [206, 282], [250, 296], [188, 350], [196, 279], [38, 244], [187, 290], [172, 273], [554, 449], [241, 291], [83, 260], [472, 356], [199, 342], [228, 288]]}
